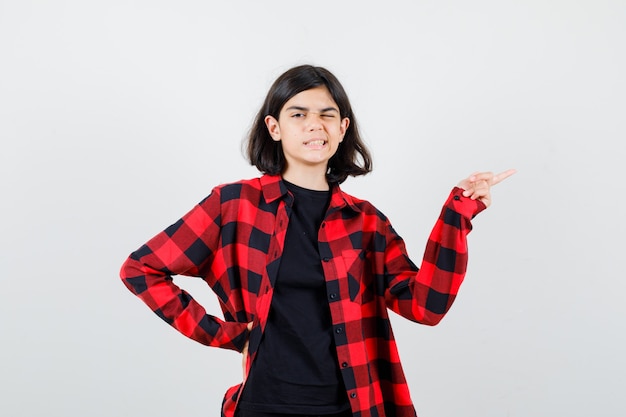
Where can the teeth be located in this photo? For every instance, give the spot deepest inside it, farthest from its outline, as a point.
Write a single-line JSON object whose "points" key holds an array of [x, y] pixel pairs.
{"points": [[316, 142]]}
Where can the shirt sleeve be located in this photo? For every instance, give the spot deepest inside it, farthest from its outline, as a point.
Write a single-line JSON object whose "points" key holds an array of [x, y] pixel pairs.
{"points": [[426, 294], [186, 247]]}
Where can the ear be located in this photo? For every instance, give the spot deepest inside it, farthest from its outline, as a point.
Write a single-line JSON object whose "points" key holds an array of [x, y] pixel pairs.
{"points": [[272, 127], [345, 122]]}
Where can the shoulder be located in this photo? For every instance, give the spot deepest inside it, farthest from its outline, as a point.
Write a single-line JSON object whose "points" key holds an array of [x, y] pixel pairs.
{"points": [[235, 190], [362, 206], [251, 182]]}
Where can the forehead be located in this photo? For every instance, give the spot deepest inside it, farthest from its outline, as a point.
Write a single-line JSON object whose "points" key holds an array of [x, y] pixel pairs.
{"points": [[317, 98]]}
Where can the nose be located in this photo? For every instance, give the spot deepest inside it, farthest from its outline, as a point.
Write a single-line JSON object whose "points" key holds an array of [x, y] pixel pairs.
{"points": [[314, 121]]}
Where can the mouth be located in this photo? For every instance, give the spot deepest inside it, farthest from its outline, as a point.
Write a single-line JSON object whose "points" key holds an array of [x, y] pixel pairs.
{"points": [[315, 143]]}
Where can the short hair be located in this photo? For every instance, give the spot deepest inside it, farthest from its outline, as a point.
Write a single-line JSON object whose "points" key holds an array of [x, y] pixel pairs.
{"points": [[352, 157]]}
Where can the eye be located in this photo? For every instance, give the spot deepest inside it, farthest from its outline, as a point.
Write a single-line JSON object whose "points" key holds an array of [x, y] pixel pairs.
{"points": [[297, 115], [328, 115]]}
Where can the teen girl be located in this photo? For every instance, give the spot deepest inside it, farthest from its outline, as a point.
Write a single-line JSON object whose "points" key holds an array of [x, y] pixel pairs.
{"points": [[305, 273]]}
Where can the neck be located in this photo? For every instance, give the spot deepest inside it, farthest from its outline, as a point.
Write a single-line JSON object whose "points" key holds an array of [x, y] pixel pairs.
{"points": [[310, 179]]}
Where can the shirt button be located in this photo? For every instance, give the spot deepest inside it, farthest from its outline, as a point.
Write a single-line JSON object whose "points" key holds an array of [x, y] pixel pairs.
{"points": [[339, 330], [353, 395], [344, 364], [333, 296], [456, 197], [326, 259]]}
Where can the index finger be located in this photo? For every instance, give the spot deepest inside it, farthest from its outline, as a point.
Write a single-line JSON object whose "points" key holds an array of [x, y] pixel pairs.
{"points": [[502, 176]]}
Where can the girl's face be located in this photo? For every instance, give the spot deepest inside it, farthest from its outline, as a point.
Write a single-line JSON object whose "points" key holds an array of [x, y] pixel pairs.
{"points": [[309, 128]]}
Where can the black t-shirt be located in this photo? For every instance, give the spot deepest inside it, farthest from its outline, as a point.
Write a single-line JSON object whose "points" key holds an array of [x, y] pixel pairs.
{"points": [[296, 368]]}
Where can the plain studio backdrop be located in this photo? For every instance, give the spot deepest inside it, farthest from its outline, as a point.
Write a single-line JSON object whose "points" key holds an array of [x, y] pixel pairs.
{"points": [[116, 117]]}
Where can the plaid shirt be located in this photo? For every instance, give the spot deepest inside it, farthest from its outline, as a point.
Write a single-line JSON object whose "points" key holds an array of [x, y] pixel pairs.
{"points": [[234, 240]]}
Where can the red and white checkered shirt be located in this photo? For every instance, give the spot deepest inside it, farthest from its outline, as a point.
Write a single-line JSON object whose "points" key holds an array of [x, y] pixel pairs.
{"points": [[234, 240]]}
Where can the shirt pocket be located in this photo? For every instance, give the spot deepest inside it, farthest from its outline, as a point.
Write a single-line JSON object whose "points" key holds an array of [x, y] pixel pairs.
{"points": [[359, 285]]}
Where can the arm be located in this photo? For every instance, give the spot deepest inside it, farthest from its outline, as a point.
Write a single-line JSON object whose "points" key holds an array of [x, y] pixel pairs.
{"points": [[184, 248], [426, 296]]}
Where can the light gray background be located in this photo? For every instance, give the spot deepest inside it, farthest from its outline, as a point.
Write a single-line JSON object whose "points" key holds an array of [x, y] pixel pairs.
{"points": [[116, 117]]}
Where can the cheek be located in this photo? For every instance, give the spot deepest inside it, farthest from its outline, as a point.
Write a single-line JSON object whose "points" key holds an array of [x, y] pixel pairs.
{"points": [[336, 130]]}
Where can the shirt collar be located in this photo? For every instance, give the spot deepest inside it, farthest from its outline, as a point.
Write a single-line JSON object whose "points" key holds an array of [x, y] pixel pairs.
{"points": [[274, 188]]}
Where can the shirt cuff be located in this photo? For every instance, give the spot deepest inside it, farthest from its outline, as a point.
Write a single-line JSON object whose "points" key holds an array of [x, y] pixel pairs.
{"points": [[465, 206], [239, 334]]}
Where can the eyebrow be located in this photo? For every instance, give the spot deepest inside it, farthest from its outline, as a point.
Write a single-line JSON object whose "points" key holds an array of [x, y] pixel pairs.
{"points": [[324, 110]]}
